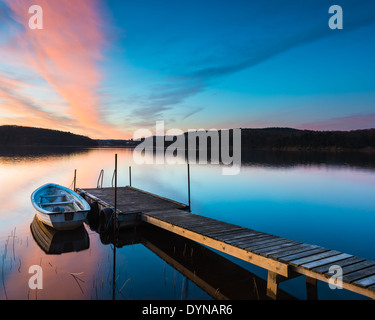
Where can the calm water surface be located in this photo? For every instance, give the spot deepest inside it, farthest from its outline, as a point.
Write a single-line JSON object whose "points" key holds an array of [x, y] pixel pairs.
{"points": [[322, 199]]}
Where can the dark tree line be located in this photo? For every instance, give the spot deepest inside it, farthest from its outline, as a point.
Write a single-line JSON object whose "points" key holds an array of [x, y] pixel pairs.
{"points": [[269, 138], [283, 138], [28, 136]]}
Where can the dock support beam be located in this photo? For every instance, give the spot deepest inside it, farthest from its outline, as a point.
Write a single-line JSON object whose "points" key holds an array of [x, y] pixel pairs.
{"points": [[273, 284], [274, 279], [311, 288]]}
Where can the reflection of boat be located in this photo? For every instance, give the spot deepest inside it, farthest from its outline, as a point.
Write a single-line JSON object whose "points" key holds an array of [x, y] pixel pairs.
{"points": [[59, 207], [53, 241]]}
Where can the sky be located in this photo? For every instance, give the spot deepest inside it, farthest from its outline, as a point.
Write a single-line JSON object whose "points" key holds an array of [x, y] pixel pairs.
{"points": [[106, 68]]}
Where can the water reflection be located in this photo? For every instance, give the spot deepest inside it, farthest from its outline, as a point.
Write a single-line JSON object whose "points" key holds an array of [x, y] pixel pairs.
{"points": [[52, 241], [217, 276], [288, 194], [294, 158], [35, 152]]}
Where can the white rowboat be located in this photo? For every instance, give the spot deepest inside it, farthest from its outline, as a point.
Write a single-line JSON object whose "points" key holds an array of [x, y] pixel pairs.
{"points": [[59, 207]]}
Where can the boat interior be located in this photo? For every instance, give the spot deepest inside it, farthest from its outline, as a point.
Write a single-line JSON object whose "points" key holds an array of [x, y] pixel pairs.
{"points": [[57, 201]]}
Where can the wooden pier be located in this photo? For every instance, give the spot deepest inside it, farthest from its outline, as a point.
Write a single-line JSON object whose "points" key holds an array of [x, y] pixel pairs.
{"points": [[283, 258]]}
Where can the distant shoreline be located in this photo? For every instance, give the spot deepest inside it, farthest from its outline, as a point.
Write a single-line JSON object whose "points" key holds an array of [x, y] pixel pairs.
{"points": [[271, 139]]}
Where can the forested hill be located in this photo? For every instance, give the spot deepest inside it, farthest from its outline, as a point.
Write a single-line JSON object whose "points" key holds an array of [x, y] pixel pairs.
{"points": [[29, 136], [287, 138]]}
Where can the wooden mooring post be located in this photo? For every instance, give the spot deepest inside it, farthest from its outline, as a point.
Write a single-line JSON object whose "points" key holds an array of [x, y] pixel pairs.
{"points": [[75, 180], [114, 218], [130, 176], [188, 174]]}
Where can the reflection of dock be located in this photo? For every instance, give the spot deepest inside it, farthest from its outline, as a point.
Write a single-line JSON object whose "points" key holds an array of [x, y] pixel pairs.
{"points": [[229, 281], [283, 258]]}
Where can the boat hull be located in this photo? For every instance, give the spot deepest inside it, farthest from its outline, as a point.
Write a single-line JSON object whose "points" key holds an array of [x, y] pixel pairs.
{"points": [[58, 221]]}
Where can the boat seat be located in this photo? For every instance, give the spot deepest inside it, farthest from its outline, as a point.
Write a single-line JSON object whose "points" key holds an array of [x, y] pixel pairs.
{"points": [[57, 203], [53, 196]]}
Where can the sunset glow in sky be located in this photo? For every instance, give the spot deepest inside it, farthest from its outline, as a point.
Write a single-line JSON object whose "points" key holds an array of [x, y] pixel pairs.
{"points": [[106, 68]]}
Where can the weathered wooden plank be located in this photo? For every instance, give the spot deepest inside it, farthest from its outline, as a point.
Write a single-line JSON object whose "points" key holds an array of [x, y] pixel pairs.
{"points": [[196, 221], [182, 220], [220, 231], [258, 241], [247, 239], [366, 282], [255, 239], [357, 266], [134, 200], [191, 223], [266, 243], [224, 236], [303, 254], [267, 249], [204, 228], [269, 264], [176, 214], [245, 234], [155, 196], [263, 243], [353, 276], [273, 244], [314, 257], [330, 260], [342, 263], [288, 251]]}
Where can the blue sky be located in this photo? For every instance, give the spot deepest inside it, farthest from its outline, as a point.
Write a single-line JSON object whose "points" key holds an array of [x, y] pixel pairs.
{"points": [[221, 64]]}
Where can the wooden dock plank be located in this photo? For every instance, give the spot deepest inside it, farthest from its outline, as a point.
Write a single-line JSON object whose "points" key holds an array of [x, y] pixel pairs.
{"points": [[329, 260], [223, 236], [357, 267], [134, 200], [204, 228], [366, 282], [303, 254], [341, 263], [218, 234], [254, 241], [267, 243], [249, 238], [293, 250], [314, 257], [245, 234], [353, 276], [271, 248]]}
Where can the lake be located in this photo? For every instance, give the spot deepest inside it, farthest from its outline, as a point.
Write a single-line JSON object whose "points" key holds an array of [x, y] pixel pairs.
{"points": [[325, 199]]}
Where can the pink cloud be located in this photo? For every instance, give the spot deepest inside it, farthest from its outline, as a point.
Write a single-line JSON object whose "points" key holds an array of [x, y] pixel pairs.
{"points": [[67, 55]]}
